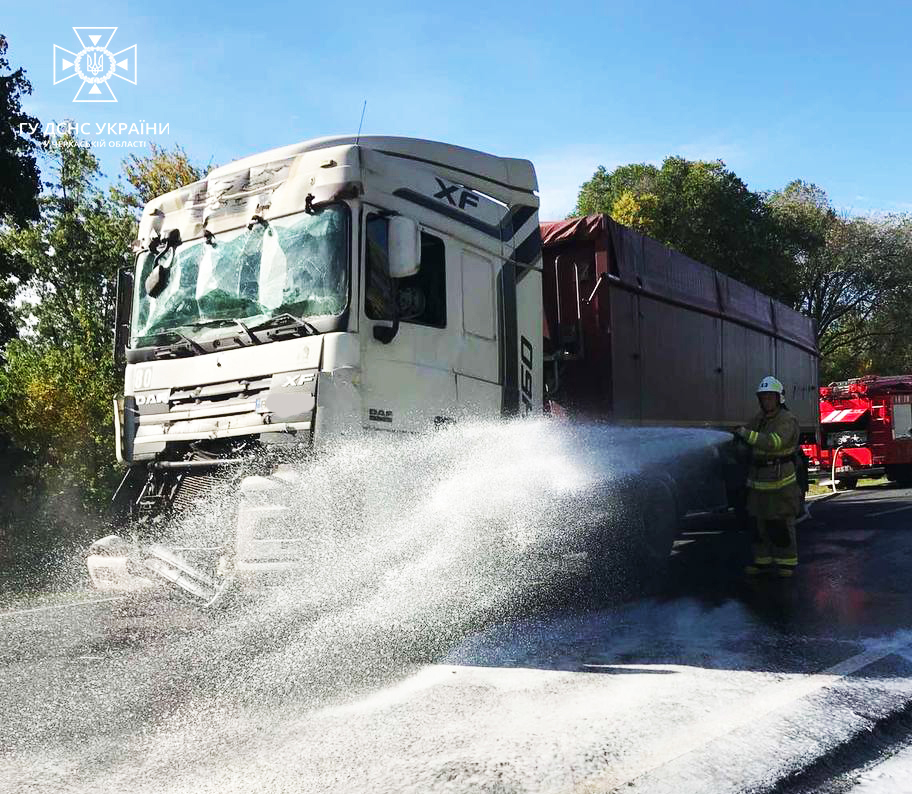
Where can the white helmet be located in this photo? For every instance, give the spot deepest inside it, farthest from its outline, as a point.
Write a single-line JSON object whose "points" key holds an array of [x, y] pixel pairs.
{"points": [[771, 384]]}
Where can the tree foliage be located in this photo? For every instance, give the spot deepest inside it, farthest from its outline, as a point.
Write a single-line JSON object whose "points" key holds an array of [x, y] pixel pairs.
{"points": [[72, 251], [20, 182], [160, 172], [852, 275], [19, 178], [58, 378], [60, 415], [699, 208]]}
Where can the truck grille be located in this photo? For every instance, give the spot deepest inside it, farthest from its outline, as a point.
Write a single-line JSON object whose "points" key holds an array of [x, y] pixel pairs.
{"points": [[230, 409], [218, 394], [192, 489]]}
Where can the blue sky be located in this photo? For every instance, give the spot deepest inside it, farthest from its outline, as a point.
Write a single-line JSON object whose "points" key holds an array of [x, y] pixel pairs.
{"points": [[814, 90]]}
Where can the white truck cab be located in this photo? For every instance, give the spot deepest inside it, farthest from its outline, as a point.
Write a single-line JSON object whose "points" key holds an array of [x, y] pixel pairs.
{"points": [[333, 286]]}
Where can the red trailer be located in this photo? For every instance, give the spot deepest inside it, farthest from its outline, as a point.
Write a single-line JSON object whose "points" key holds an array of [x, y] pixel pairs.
{"points": [[638, 333], [866, 426]]}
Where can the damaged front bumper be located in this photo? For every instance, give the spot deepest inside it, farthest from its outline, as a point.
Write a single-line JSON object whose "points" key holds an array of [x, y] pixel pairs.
{"points": [[117, 566], [265, 540]]}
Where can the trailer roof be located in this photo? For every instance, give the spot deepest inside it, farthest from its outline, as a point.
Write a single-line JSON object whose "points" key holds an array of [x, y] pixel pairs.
{"points": [[644, 265]]}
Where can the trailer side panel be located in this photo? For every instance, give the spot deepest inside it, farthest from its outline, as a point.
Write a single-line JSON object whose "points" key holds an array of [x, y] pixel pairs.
{"points": [[655, 337]]}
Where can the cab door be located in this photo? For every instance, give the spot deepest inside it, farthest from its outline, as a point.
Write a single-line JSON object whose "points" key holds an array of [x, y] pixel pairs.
{"points": [[408, 383]]}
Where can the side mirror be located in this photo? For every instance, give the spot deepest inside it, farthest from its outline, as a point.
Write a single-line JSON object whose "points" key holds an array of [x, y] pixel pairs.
{"points": [[123, 307], [157, 280], [404, 247]]}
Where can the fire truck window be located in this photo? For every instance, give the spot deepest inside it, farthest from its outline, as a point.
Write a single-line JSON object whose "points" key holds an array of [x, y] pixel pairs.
{"points": [[902, 420], [422, 297]]}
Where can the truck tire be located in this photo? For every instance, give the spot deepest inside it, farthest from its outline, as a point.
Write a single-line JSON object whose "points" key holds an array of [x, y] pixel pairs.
{"points": [[900, 473]]}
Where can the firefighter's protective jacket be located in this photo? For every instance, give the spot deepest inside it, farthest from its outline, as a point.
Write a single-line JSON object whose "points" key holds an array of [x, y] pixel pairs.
{"points": [[771, 477]]}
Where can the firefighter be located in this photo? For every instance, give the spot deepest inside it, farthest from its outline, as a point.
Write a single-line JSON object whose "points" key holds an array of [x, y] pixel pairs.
{"points": [[774, 496]]}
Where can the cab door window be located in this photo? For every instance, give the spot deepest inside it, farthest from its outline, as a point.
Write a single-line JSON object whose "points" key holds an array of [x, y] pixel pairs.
{"points": [[421, 298]]}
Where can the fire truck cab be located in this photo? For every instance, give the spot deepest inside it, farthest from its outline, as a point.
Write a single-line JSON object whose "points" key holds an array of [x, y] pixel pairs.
{"points": [[866, 427]]}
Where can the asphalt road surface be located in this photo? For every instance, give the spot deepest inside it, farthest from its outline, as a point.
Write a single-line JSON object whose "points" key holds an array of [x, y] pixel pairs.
{"points": [[715, 684]]}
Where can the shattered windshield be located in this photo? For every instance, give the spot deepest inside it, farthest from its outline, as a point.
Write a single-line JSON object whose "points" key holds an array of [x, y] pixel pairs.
{"points": [[294, 265]]}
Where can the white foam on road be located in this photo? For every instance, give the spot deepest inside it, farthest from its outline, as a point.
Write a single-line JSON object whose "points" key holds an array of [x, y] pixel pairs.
{"points": [[651, 697], [373, 673], [716, 724], [891, 776], [416, 541]]}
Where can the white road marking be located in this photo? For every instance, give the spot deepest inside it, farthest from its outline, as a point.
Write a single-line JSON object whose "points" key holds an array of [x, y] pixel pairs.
{"points": [[722, 722], [887, 512], [59, 606], [703, 532]]}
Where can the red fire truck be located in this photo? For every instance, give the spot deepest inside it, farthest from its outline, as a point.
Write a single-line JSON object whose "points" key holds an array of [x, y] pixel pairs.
{"points": [[866, 426]]}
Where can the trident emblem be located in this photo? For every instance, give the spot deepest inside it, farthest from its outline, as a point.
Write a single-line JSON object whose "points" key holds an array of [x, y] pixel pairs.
{"points": [[95, 64]]}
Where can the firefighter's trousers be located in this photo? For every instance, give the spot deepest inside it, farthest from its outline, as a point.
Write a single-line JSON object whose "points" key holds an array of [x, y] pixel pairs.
{"points": [[774, 541]]}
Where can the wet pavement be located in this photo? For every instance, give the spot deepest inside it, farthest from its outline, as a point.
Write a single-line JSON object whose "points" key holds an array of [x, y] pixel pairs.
{"points": [[856, 555], [715, 683]]}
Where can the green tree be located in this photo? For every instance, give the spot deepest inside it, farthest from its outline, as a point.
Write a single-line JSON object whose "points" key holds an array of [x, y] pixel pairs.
{"points": [[20, 142], [72, 251], [159, 172], [854, 276], [699, 208], [58, 379], [606, 188]]}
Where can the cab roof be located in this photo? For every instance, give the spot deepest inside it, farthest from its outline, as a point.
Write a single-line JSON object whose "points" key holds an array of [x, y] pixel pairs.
{"points": [[508, 172]]}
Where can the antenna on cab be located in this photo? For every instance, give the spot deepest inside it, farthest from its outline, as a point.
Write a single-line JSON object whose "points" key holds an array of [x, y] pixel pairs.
{"points": [[363, 108]]}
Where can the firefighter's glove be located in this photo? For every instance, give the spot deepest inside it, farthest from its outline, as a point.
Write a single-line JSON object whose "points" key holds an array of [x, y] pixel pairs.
{"points": [[741, 434]]}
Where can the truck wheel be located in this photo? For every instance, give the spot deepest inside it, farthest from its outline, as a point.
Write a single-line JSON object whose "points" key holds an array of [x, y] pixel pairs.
{"points": [[847, 484], [900, 473]]}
